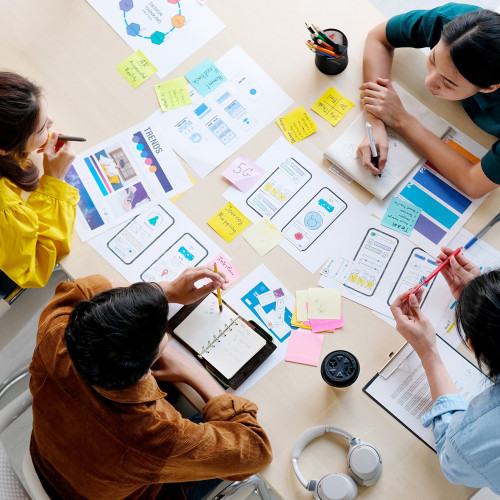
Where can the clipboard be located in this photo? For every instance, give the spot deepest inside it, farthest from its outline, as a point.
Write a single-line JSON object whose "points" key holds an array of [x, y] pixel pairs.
{"points": [[246, 369]]}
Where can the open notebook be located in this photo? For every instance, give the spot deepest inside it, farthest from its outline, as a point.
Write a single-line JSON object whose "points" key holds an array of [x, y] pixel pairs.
{"points": [[224, 339], [401, 159]]}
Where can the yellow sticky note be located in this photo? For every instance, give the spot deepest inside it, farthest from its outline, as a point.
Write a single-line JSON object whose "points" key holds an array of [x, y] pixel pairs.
{"points": [[297, 125], [332, 106], [263, 236], [295, 322], [172, 93], [301, 299], [136, 69], [228, 222], [324, 303]]}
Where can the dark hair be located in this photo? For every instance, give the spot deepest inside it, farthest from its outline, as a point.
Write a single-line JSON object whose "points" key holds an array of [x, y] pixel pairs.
{"points": [[478, 319], [113, 338], [19, 115], [473, 41]]}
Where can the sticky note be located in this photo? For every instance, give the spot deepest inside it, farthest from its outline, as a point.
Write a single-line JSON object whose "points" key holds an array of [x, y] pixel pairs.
{"points": [[263, 236], [172, 93], [297, 125], [136, 69], [224, 265], [401, 216], [295, 322], [301, 299], [243, 173], [332, 106], [206, 77], [228, 222], [304, 347], [324, 303], [326, 325]]}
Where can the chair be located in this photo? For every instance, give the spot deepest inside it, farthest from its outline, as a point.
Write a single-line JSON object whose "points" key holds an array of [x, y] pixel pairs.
{"points": [[258, 484]]}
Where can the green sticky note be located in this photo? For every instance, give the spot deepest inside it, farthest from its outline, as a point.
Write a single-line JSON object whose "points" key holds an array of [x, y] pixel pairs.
{"points": [[401, 216], [172, 93], [206, 77], [136, 69]]}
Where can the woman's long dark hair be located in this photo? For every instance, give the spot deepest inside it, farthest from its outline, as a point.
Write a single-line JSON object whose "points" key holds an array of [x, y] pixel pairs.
{"points": [[19, 115], [474, 43]]}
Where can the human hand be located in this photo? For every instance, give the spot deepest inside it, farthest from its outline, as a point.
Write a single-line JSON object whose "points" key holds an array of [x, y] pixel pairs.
{"points": [[412, 324], [380, 99], [382, 144], [183, 290], [458, 272], [57, 157], [173, 366]]}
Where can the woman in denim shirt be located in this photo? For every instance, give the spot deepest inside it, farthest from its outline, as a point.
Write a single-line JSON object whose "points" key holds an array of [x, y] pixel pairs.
{"points": [[467, 434]]}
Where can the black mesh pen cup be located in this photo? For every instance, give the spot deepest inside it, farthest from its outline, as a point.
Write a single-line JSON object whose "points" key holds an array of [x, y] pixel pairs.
{"points": [[340, 369], [333, 65]]}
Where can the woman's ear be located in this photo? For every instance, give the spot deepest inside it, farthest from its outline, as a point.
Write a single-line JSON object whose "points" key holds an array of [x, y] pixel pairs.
{"points": [[471, 347], [4, 152], [491, 88]]}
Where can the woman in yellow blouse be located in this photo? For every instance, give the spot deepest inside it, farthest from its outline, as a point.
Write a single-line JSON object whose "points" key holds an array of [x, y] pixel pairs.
{"points": [[35, 226]]}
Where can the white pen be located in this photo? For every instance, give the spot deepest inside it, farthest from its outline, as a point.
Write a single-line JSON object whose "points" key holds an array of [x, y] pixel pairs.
{"points": [[373, 147]]}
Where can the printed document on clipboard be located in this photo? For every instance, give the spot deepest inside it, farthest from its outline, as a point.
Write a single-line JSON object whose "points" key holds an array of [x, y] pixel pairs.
{"points": [[401, 387]]}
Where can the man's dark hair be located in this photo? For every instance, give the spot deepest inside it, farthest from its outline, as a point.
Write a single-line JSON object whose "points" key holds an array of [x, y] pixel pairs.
{"points": [[113, 338], [478, 319], [473, 41]]}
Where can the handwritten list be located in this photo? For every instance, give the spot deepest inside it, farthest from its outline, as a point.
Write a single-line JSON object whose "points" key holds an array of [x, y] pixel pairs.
{"points": [[173, 93], [401, 216], [297, 125]]}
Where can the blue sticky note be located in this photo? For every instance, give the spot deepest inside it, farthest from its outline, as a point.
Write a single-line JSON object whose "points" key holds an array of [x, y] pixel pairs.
{"points": [[401, 216], [205, 77]]}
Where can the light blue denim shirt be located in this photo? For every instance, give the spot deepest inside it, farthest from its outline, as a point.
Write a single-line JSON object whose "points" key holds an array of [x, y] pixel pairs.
{"points": [[468, 437]]}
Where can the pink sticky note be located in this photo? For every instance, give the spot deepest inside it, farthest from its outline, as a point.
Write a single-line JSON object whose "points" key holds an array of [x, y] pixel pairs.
{"points": [[224, 265], [243, 173], [304, 347], [324, 325]]}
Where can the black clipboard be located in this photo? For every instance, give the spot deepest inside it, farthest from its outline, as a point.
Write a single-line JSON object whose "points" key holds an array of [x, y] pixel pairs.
{"points": [[247, 369]]}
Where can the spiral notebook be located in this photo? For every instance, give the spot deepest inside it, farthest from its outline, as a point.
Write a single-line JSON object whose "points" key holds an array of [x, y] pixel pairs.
{"points": [[229, 344]]}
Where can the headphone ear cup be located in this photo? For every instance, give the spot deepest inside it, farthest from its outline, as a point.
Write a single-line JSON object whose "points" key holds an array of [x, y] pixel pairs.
{"points": [[335, 487], [364, 463]]}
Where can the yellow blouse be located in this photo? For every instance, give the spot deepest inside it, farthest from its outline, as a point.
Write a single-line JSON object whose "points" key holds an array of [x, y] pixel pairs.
{"points": [[36, 235]]}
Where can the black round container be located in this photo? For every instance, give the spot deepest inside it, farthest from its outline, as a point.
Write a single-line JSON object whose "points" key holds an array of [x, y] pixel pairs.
{"points": [[333, 65], [340, 369]]}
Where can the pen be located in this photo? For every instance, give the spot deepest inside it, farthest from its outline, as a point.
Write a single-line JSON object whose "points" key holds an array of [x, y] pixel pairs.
{"points": [[485, 228], [317, 50], [373, 147], [325, 51], [337, 47], [218, 291], [310, 29], [435, 272], [71, 138]]}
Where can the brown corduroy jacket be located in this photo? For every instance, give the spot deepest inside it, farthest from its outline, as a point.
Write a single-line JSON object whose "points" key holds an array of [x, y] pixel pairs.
{"points": [[90, 443]]}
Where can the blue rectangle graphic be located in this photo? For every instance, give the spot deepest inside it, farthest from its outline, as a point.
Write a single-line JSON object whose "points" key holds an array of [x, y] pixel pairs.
{"points": [[442, 190], [96, 177], [429, 205]]}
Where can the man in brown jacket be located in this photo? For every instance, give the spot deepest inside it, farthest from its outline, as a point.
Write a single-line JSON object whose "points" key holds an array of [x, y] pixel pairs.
{"points": [[101, 426]]}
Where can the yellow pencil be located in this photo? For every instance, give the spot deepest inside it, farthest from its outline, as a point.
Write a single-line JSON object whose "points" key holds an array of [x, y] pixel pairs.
{"points": [[218, 291]]}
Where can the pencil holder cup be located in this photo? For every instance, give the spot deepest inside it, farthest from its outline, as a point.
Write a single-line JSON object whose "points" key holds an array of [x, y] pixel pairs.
{"points": [[340, 369], [333, 65]]}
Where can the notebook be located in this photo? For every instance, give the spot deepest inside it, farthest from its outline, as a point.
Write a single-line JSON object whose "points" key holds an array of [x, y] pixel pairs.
{"points": [[401, 159], [224, 339]]}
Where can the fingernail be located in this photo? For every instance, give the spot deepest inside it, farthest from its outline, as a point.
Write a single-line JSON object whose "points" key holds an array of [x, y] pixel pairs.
{"points": [[413, 299]]}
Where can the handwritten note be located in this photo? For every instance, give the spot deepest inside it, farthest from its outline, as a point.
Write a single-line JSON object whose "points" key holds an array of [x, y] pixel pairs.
{"points": [[297, 125], [172, 93], [228, 222], [243, 173], [224, 265], [401, 216], [304, 347], [332, 106], [206, 77], [324, 303], [136, 69], [263, 236]]}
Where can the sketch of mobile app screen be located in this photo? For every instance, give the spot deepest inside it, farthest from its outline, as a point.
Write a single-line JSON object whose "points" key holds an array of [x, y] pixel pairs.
{"points": [[314, 219], [370, 261], [279, 188], [140, 233], [186, 252], [418, 266]]}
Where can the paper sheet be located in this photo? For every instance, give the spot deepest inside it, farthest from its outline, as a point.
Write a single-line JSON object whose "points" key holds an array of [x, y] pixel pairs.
{"points": [[304, 347], [136, 69], [166, 32], [228, 222], [297, 125], [214, 127], [401, 216], [205, 77], [324, 303], [263, 236], [301, 300], [122, 176], [224, 265], [243, 173], [307, 204], [332, 106], [326, 325], [172, 94]]}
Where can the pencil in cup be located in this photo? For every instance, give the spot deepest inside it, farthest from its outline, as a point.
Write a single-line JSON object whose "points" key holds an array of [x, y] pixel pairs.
{"points": [[332, 65]]}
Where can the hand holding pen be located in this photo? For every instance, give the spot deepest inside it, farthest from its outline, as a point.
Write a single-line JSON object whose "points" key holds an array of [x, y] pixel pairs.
{"points": [[373, 147]]}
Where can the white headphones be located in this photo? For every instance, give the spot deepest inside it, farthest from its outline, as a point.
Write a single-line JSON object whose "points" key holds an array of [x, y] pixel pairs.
{"points": [[363, 462]]}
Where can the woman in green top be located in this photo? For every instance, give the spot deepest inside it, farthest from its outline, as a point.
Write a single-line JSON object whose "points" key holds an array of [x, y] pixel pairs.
{"points": [[463, 65]]}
